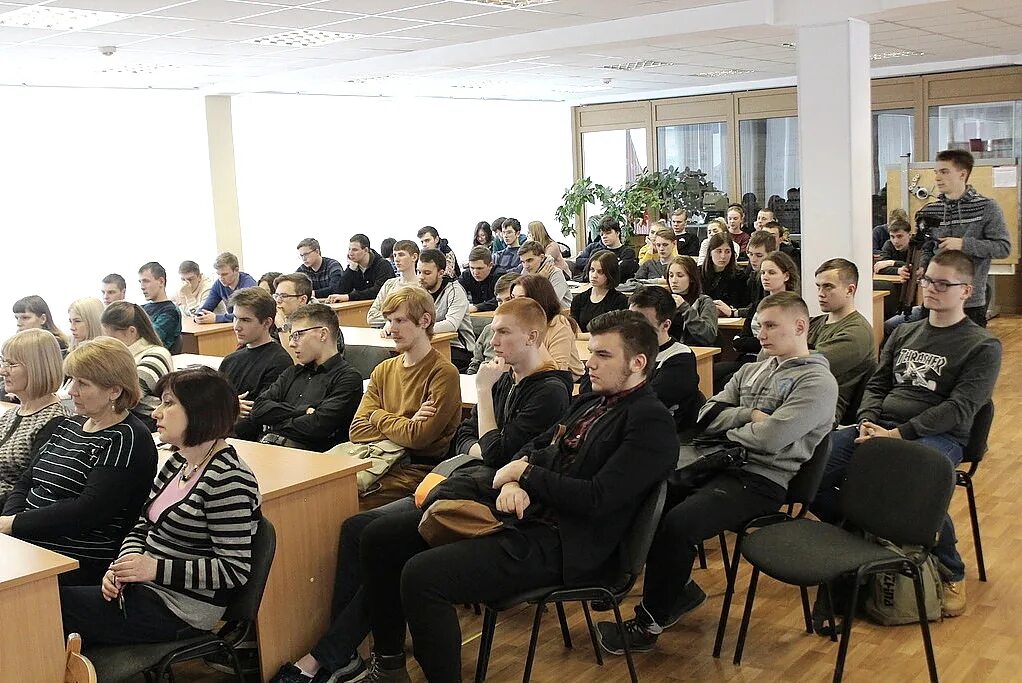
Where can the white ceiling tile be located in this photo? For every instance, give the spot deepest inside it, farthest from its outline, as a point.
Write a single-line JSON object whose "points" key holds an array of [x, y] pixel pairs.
{"points": [[299, 18], [213, 30], [533, 20], [156, 26], [452, 32], [371, 25], [92, 39], [370, 6], [122, 6], [444, 11], [13, 34], [214, 10]]}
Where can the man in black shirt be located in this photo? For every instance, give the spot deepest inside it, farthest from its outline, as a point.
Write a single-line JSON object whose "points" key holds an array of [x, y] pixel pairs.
{"points": [[259, 361], [688, 242], [610, 240], [479, 280], [311, 404], [365, 274]]}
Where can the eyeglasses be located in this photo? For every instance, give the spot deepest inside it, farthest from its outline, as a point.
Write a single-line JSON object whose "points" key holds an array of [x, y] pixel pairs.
{"points": [[278, 296], [7, 364], [303, 255], [939, 285], [297, 334]]}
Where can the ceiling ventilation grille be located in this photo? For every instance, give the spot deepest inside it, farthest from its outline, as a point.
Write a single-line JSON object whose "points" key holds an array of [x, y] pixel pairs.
{"points": [[638, 65]]}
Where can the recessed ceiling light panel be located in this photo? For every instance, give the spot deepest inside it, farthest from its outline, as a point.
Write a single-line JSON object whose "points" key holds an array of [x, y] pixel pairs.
{"points": [[58, 18], [876, 56], [721, 73], [638, 65], [301, 38]]}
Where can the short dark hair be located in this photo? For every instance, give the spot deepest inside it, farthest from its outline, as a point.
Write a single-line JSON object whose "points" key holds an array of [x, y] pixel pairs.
{"points": [[762, 238], [362, 240], [512, 223], [611, 269], [505, 282], [269, 278], [258, 300], [847, 271], [301, 281], [436, 257], [189, 267], [115, 279], [531, 247], [155, 269], [320, 314], [788, 267], [657, 298], [387, 247], [209, 400], [608, 223], [957, 261], [311, 243], [638, 336], [961, 158], [788, 300], [898, 225], [407, 246], [497, 224], [427, 230], [480, 253]]}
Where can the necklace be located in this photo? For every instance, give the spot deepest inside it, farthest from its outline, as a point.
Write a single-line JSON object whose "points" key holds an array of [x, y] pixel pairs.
{"points": [[185, 476]]}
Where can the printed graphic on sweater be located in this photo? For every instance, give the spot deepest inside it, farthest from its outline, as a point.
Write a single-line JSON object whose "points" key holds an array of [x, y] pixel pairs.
{"points": [[914, 367]]}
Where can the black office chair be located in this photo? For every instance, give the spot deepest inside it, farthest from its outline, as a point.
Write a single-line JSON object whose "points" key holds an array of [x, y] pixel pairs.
{"points": [[116, 663], [365, 358], [634, 549], [972, 454], [801, 491], [896, 490]]}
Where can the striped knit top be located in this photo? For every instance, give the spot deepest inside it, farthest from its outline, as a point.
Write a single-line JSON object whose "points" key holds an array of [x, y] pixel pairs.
{"points": [[16, 435], [83, 490], [202, 543], [152, 363]]}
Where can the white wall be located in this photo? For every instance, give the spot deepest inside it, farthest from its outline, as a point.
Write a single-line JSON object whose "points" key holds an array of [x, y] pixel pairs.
{"points": [[98, 181], [329, 167]]}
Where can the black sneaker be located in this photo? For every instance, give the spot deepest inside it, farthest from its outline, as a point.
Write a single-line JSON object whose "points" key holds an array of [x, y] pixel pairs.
{"points": [[354, 670], [289, 673], [612, 640], [690, 599], [383, 669]]}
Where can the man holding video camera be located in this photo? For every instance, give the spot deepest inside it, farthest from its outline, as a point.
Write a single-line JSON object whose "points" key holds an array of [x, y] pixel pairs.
{"points": [[966, 221]]}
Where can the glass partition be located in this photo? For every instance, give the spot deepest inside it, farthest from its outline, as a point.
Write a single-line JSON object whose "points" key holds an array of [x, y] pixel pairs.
{"points": [[698, 146], [612, 158], [768, 149], [990, 131], [892, 137]]}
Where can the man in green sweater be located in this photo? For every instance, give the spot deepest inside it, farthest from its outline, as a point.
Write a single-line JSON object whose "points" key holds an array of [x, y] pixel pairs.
{"points": [[842, 335]]}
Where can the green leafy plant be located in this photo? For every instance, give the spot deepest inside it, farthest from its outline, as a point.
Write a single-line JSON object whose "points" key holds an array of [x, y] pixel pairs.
{"points": [[584, 191]]}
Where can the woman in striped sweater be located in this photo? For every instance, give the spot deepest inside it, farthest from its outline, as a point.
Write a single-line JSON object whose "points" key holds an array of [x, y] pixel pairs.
{"points": [[130, 323], [192, 545]]}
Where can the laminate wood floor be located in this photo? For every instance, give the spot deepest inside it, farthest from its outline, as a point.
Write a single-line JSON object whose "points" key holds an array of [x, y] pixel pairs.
{"points": [[983, 644]]}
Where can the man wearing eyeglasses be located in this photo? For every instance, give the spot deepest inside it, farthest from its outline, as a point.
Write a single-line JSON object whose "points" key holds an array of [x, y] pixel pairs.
{"points": [[934, 376], [311, 404], [325, 273], [293, 291]]}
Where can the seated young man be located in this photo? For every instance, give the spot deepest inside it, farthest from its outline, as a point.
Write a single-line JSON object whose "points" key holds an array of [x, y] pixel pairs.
{"points": [[478, 280], [760, 244], [195, 288], [292, 291], [254, 367], [429, 238], [686, 242], [507, 259], [842, 334], [113, 289], [484, 348], [895, 250], [324, 273], [610, 240], [451, 306], [365, 274], [664, 250], [230, 278], [589, 475], [536, 262], [311, 404], [779, 409], [406, 257], [152, 279], [413, 399], [934, 376], [521, 395]]}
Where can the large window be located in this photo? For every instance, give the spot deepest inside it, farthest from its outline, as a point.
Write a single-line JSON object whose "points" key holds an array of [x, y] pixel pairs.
{"points": [[612, 158], [97, 182], [768, 149], [698, 146], [892, 138], [989, 131]]}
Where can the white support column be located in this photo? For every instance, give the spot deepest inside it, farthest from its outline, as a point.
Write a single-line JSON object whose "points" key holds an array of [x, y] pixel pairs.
{"points": [[836, 150], [224, 186]]}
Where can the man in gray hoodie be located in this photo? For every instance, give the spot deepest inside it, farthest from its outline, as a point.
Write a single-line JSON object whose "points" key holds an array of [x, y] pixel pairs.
{"points": [[451, 303], [779, 409]]}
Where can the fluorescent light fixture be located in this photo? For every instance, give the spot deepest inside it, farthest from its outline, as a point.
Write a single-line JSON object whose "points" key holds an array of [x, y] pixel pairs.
{"points": [[876, 56], [58, 18], [301, 38], [638, 65], [722, 73], [138, 69], [512, 4]]}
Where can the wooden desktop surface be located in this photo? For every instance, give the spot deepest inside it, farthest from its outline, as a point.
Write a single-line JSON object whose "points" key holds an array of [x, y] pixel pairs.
{"points": [[215, 339], [887, 278], [183, 360], [352, 313]]}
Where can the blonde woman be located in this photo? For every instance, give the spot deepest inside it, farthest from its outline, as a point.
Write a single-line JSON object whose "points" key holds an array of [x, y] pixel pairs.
{"points": [[83, 317], [30, 366], [128, 323], [538, 233], [85, 486]]}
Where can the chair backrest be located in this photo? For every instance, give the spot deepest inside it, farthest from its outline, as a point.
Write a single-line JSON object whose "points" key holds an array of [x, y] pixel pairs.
{"points": [[77, 669], [852, 409], [639, 538], [803, 486], [898, 490], [244, 603], [979, 434], [365, 358]]}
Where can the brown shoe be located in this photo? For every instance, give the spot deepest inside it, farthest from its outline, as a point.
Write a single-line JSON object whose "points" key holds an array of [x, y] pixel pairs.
{"points": [[954, 598]]}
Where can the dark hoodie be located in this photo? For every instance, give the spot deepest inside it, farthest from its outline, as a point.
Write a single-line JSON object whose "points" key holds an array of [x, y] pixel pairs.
{"points": [[451, 270], [363, 285], [523, 411]]}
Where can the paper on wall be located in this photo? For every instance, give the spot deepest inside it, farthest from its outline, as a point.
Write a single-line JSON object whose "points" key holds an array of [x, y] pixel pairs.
{"points": [[1005, 176]]}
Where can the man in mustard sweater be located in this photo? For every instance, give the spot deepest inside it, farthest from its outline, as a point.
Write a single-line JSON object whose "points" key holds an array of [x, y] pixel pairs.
{"points": [[413, 399]]}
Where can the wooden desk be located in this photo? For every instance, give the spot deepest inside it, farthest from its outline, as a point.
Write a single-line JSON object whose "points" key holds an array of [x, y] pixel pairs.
{"points": [[31, 629], [215, 339], [734, 324], [483, 314], [183, 360], [878, 317], [704, 363], [352, 313], [368, 336], [887, 278]]}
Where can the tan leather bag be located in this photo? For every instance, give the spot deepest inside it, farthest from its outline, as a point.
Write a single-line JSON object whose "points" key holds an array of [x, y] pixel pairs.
{"points": [[447, 521]]}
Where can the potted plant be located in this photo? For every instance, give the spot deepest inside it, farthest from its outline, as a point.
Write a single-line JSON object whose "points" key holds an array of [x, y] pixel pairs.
{"points": [[584, 191]]}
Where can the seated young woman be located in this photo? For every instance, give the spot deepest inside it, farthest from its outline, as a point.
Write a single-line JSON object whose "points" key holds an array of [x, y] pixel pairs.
{"points": [[192, 544], [30, 366], [717, 226], [33, 313], [722, 281], [695, 322], [83, 318], [538, 233], [85, 485], [561, 329], [129, 323], [604, 277]]}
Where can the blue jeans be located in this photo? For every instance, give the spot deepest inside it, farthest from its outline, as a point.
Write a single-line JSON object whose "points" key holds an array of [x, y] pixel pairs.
{"points": [[918, 313], [826, 506]]}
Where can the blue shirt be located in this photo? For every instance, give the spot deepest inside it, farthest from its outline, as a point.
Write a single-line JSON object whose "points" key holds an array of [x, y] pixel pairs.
{"points": [[221, 292], [506, 260]]}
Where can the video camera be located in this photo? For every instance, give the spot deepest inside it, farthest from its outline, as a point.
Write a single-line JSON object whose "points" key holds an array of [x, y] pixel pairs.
{"points": [[925, 225]]}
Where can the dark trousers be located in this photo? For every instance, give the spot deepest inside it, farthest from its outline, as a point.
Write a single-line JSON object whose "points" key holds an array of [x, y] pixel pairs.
{"points": [[405, 579], [350, 624], [461, 358], [145, 618], [726, 502]]}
